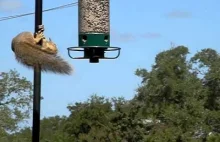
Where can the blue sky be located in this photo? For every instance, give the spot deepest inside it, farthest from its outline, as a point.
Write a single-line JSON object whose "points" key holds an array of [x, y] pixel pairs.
{"points": [[142, 29]]}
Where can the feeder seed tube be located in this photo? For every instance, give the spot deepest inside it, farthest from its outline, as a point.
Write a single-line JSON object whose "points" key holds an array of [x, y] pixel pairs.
{"points": [[94, 16]]}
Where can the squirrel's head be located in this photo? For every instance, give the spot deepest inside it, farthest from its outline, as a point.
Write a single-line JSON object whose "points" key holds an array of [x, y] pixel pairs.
{"points": [[50, 44]]}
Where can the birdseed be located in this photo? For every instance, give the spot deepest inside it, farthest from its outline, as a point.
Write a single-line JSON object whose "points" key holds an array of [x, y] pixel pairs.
{"points": [[94, 16]]}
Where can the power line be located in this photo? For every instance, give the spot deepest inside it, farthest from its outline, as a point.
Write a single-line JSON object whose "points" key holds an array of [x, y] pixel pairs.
{"points": [[46, 10]]}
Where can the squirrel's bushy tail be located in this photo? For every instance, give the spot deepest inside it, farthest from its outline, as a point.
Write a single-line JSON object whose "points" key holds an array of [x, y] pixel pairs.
{"points": [[30, 57]]}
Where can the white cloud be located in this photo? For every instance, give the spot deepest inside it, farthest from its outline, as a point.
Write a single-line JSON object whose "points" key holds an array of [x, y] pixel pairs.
{"points": [[125, 37], [8, 5], [128, 37], [179, 14]]}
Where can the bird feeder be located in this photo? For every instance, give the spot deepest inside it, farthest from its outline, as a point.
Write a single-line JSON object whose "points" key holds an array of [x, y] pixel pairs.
{"points": [[94, 30]]}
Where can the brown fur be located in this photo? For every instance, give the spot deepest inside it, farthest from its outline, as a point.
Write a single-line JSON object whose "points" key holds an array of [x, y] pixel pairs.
{"points": [[28, 53]]}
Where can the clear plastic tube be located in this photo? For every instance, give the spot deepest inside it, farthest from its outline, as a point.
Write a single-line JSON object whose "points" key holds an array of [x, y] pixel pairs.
{"points": [[94, 16]]}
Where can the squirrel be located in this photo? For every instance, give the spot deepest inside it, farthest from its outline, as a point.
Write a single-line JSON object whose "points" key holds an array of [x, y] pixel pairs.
{"points": [[28, 51]]}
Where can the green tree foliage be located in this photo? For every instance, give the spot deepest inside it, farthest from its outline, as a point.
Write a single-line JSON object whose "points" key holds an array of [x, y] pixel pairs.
{"points": [[173, 94], [89, 121], [24, 135], [104, 120], [209, 60], [52, 129], [15, 100]]}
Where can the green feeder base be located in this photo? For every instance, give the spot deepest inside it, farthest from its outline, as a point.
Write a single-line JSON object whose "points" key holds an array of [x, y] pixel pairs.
{"points": [[94, 39], [94, 46]]}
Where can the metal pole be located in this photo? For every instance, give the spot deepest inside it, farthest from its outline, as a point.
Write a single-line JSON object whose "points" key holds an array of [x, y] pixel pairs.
{"points": [[37, 79]]}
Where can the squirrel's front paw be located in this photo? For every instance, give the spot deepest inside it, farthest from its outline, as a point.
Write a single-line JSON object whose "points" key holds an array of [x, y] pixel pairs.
{"points": [[39, 37]]}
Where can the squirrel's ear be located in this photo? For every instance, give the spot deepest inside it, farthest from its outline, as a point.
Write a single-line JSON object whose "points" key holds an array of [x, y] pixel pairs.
{"points": [[50, 39]]}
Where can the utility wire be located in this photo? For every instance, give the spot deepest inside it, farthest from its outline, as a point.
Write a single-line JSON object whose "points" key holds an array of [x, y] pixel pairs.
{"points": [[46, 10]]}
